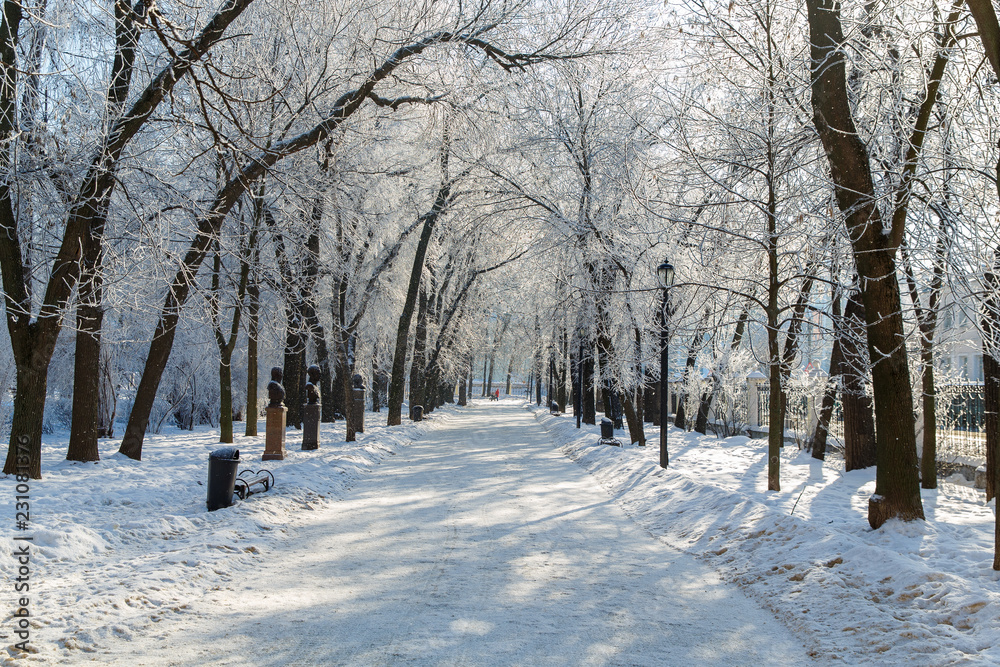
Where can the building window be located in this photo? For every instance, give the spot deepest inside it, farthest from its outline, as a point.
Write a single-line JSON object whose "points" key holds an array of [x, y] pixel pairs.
{"points": [[963, 367], [979, 368]]}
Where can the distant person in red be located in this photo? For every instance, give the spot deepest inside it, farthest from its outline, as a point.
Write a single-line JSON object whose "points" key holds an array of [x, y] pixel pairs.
{"points": [[496, 393]]}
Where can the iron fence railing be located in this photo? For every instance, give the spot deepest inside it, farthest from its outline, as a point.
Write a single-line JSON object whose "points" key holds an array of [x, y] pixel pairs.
{"points": [[798, 410], [961, 431], [959, 416]]}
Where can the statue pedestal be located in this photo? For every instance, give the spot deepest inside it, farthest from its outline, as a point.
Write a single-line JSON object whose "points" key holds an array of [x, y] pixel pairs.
{"points": [[310, 426], [274, 439]]}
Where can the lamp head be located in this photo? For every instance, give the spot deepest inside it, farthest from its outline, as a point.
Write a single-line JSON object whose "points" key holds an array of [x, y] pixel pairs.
{"points": [[665, 273]]}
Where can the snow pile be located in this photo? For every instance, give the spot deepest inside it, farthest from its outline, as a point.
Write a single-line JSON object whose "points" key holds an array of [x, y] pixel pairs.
{"points": [[119, 545], [920, 593]]}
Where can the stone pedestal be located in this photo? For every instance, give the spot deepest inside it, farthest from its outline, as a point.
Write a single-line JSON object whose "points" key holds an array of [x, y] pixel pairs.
{"points": [[310, 426], [274, 439], [359, 410]]}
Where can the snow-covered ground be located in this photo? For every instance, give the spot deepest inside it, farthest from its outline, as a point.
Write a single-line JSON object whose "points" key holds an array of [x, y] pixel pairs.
{"points": [[126, 560], [919, 593], [121, 546]]}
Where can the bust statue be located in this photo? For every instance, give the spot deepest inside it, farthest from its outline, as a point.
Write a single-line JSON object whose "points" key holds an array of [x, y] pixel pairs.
{"points": [[275, 391], [358, 381], [312, 388]]}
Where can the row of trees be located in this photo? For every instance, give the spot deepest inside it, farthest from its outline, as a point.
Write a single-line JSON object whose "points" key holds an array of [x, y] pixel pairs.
{"points": [[189, 144], [400, 191], [841, 181]]}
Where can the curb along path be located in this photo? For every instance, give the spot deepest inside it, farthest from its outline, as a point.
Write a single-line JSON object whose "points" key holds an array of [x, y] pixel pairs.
{"points": [[478, 545]]}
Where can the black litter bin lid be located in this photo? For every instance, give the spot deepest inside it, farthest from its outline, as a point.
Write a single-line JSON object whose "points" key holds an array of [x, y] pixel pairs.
{"points": [[228, 453]]}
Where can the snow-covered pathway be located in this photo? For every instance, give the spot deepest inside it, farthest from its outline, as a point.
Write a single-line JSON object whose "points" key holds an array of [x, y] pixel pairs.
{"points": [[478, 545]]}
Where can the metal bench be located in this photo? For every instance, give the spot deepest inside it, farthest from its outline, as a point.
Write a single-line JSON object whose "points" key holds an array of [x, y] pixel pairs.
{"points": [[249, 482]]}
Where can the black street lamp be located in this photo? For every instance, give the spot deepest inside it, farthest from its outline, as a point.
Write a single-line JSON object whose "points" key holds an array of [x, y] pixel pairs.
{"points": [[578, 388], [665, 274]]}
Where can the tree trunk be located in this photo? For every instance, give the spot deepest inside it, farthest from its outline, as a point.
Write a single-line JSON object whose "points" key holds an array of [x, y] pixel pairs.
{"points": [[24, 457], [344, 375], [376, 384], [397, 383], [226, 395], [489, 381], [107, 399], [775, 412], [991, 381], [832, 383], [156, 361], [293, 374], [318, 335], [989, 33], [33, 338], [829, 402], [562, 395], [418, 379], [652, 395], [704, 406], [680, 420], [253, 324], [928, 460], [471, 378], [635, 430], [588, 399], [87, 373], [859, 426], [463, 392], [441, 203], [538, 379], [897, 485]]}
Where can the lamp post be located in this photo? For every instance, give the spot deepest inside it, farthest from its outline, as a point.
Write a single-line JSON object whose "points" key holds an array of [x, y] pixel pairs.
{"points": [[665, 274], [578, 387]]}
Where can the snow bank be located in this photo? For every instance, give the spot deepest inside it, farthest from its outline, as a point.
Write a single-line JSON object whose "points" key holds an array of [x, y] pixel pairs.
{"points": [[919, 593], [119, 545]]}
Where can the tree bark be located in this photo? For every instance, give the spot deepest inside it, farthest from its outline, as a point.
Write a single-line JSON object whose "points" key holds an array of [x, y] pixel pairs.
{"points": [[991, 379], [832, 386], [253, 324], [463, 389], [775, 412], [294, 372], [636, 432], [87, 373], [345, 378], [486, 363], [489, 377], [226, 395], [588, 398], [418, 378], [107, 398], [859, 426]]}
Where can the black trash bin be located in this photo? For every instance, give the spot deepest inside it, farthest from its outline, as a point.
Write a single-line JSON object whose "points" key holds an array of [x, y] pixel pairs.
{"points": [[418, 413], [607, 429], [222, 465]]}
